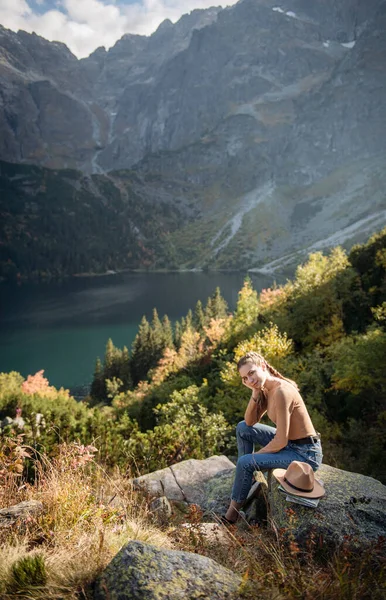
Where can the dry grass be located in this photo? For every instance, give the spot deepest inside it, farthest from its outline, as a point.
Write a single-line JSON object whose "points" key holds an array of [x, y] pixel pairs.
{"points": [[89, 515], [274, 571]]}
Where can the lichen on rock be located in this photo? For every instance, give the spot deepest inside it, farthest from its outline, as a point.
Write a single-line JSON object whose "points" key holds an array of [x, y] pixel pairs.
{"points": [[142, 572]]}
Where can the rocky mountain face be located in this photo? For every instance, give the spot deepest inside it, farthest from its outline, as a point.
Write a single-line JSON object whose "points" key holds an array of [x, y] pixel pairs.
{"points": [[60, 112], [263, 123]]}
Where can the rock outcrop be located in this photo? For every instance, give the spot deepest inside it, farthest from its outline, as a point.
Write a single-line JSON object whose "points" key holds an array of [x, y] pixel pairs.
{"points": [[203, 482], [353, 511], [141, 572]]}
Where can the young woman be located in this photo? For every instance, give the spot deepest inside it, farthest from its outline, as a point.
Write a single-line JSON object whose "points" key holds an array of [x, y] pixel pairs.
{"points": [[294, 438]]}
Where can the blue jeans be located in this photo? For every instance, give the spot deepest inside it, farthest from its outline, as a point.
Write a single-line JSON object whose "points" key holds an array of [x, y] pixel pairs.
{"points": [[248, 462]]}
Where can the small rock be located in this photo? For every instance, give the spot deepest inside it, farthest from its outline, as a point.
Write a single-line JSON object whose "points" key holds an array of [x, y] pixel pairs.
{"points": [[162, 506], [6, 422], [21, 511], [19, 422]]}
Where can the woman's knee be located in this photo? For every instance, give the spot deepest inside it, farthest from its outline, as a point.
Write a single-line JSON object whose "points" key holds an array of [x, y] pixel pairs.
{"points": [[241, 428], [248, 462]]}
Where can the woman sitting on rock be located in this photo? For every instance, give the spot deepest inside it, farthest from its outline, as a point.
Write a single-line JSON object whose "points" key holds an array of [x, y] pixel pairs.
{"points": [[293, 439]]}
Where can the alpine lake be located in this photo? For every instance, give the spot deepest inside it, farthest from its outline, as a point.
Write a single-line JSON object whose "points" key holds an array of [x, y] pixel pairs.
{"points": [[62, 327]]}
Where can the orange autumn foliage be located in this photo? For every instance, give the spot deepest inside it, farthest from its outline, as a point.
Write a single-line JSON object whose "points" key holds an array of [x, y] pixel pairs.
{"points": [[37, 384]]}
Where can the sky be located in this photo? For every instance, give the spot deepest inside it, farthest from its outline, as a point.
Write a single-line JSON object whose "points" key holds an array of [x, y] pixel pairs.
{"points": [[84, 25]]}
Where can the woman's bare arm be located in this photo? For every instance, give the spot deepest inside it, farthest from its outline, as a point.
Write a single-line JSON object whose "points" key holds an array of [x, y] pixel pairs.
{"points": [[253, 412], [284, 409]]}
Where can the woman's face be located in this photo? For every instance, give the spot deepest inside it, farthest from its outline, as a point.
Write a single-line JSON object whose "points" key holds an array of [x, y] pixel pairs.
{"points": [[253, 375]]}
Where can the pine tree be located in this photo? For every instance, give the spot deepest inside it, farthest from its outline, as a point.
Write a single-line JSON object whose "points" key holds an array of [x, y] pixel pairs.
{"points": [[167, 333], [112, 362], [189, 320], [110, 354], [219, 307], [157, 329], [177, 335], [141, 350], [125, 369], [246, 314], [208, 312], [199, 317], [98, 386], [158, 342], [183, 325]]}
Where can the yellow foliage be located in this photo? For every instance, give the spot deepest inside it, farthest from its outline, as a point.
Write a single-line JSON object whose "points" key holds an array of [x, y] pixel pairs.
{"points": [[10, 383], [269, 342], [319, 269], [246, 313], [328, 334], [359, 365], [166, 365], [380, 258], [190, 346]]}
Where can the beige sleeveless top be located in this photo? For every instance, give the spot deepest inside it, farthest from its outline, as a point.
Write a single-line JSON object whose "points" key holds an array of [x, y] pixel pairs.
{"points": [[287, 410]]}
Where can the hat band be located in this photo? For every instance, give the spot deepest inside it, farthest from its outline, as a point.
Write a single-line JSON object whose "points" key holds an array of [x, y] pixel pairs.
{"points": [[297, 488]]}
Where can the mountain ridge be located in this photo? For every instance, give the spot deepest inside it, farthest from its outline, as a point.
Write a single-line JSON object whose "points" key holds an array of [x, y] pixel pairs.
{"points": [[213, 111]]}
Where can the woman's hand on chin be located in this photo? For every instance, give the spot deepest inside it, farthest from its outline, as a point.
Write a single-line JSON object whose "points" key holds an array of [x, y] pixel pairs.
{"points": [[252, 386]]}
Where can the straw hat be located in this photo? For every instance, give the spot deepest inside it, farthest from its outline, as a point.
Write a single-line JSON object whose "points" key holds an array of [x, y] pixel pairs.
{"points": [[299, 480]]}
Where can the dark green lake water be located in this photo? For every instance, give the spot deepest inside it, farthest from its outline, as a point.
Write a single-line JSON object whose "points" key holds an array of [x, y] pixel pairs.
{"points": [[63, 327]]}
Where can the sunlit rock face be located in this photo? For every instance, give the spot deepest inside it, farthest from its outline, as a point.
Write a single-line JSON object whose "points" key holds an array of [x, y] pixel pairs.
{"points": [[265, 118]]}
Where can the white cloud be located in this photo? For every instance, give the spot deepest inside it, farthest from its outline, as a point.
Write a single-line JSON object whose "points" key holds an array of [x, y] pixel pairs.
{"points": [[86, 24]]}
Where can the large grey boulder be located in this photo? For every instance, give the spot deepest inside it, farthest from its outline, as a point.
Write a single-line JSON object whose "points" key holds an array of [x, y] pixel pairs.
{"points": [[207, 482], [353, 511], [142, 572]]}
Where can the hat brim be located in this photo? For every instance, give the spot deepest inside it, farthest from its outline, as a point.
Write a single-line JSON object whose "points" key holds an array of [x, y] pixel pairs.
{"points": [[317, 492]]}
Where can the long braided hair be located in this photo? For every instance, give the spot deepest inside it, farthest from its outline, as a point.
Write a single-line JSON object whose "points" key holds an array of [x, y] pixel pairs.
{"points": [[256, 359]]}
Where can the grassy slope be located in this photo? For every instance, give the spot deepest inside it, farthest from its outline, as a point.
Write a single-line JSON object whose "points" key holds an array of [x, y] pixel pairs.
{"points": [[62, 222]]}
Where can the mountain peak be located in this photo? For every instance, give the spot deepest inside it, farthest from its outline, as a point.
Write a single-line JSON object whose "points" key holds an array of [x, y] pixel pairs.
{"points": [[164, 26]]}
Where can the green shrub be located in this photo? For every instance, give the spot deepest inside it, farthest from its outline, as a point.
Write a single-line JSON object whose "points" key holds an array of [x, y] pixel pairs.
{"points": [[26, 574], [185, 430]]}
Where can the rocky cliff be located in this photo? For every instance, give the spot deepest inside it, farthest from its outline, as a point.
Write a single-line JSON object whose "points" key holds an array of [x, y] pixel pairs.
{"points": [[263, 122]]}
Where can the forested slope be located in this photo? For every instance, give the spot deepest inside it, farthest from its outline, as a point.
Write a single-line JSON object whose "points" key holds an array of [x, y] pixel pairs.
{"points": [[176, 394]]}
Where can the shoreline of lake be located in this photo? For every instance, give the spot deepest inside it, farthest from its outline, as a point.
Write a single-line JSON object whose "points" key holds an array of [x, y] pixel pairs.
{"points": [[113, 273]]}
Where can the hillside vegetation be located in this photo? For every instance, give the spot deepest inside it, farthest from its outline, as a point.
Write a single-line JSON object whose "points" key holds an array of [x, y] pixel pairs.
{"points": [[60, 223]]}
